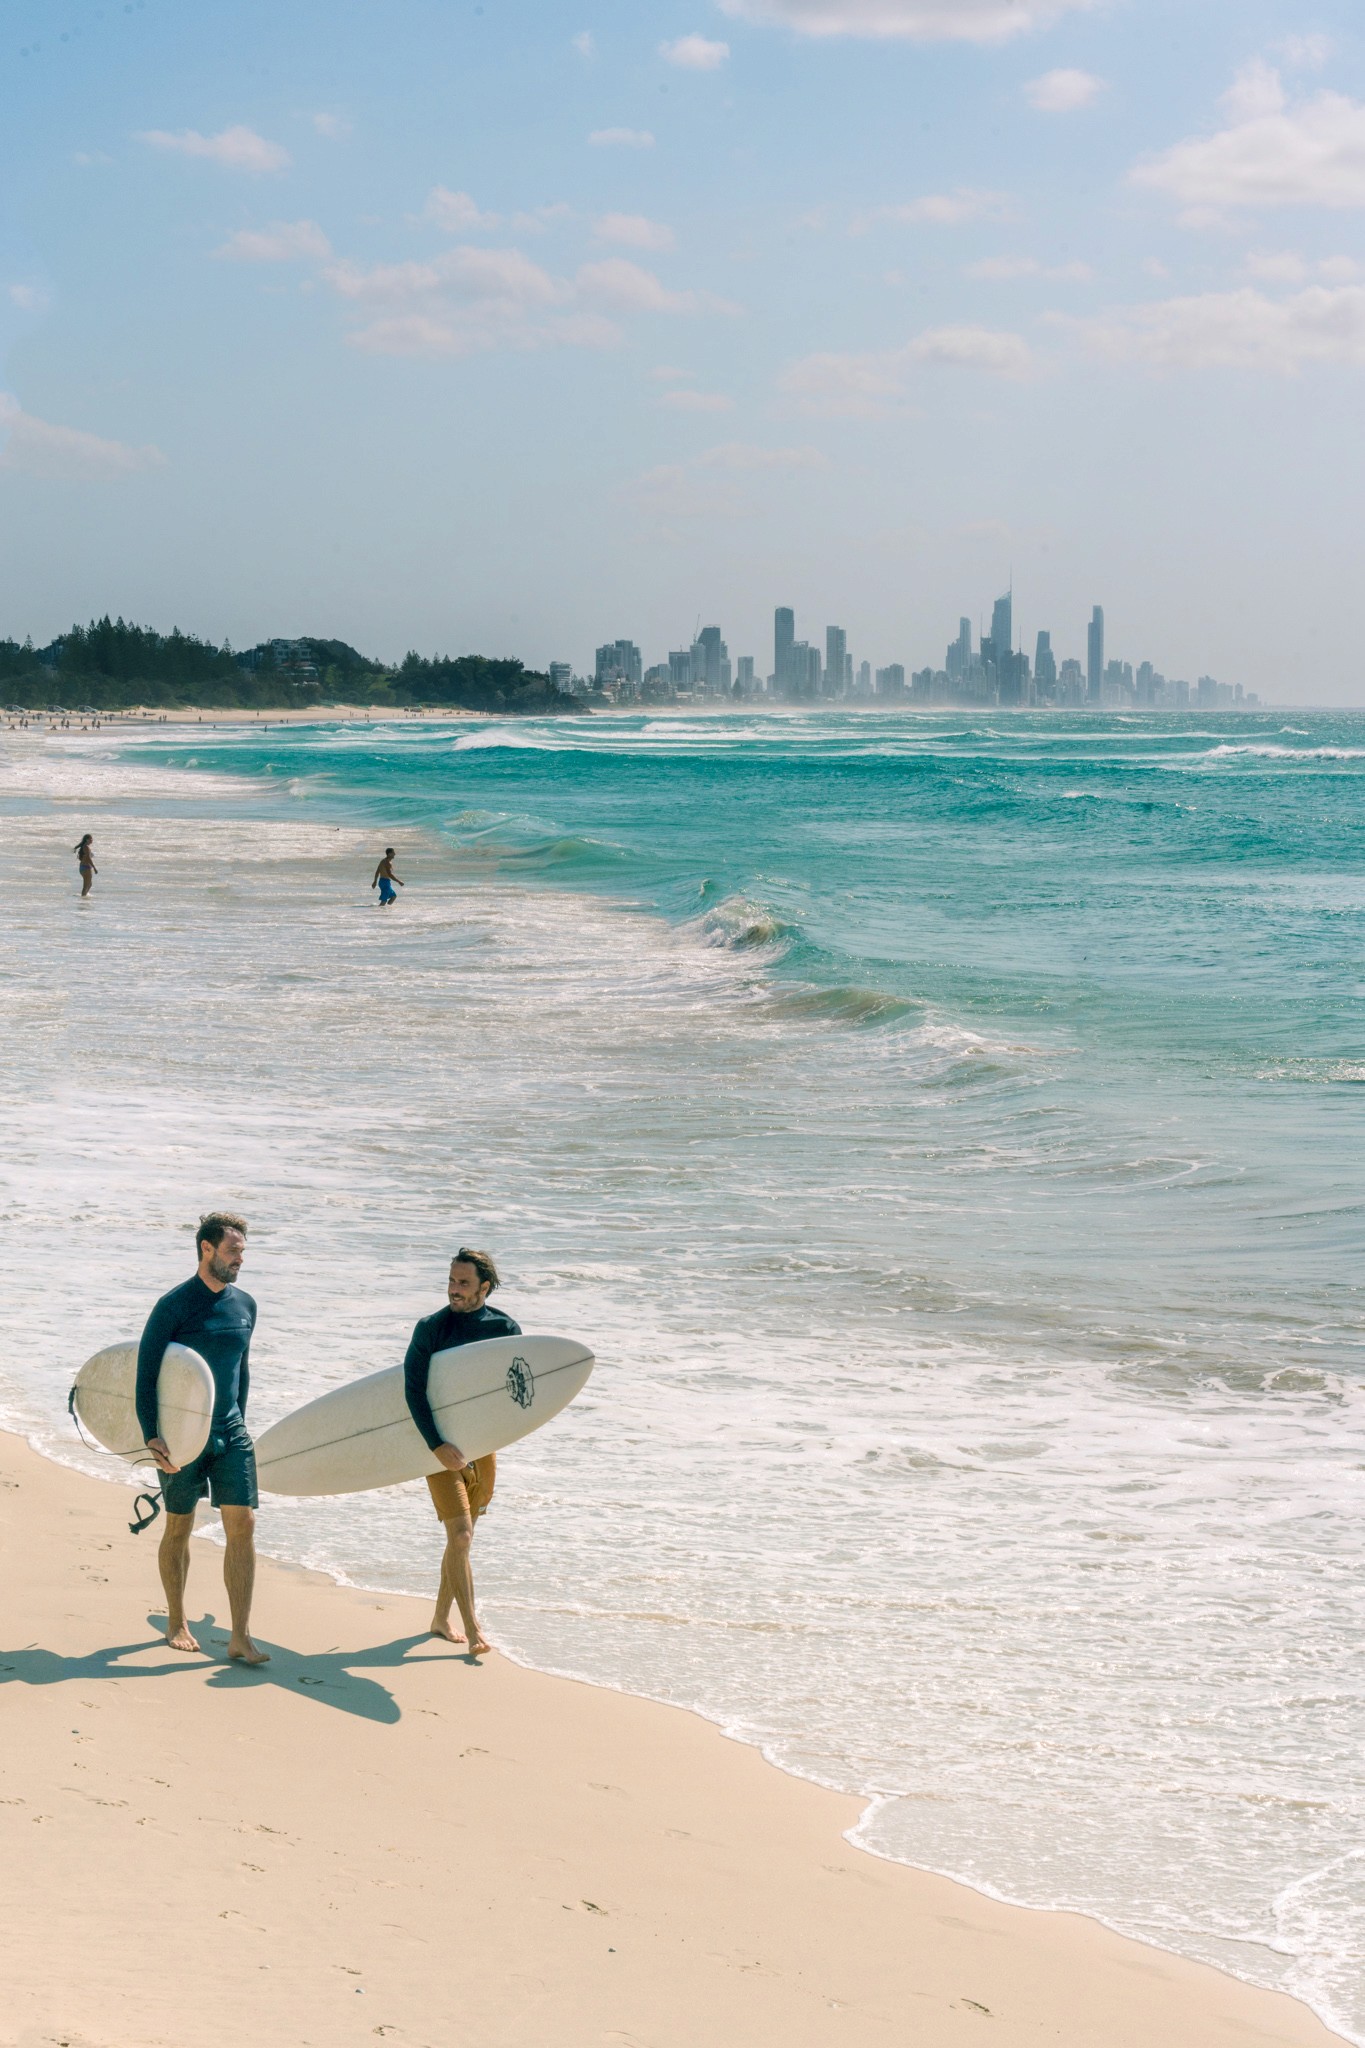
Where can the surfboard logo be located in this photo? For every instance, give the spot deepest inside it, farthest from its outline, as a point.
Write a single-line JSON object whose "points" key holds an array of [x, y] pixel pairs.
{"points": [[521, 1383]]}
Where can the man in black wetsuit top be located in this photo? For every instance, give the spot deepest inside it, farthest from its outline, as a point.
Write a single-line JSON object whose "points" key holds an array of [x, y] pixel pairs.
{"points": [[462, 1491], [216, 1319]]}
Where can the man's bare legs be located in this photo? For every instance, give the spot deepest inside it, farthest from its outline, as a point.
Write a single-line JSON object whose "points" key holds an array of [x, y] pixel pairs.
{"points": [[457, 1586], [239, 1576], [173, 1561]]}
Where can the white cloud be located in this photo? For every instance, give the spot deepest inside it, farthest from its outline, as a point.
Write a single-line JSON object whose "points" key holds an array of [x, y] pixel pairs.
{"points": [[1305, 53], [467, 300], [695, 53], [456, 212], [236, 149], [875, 383], [1271, 154], [697, 401], [719, 483], [1241, 330], [621, 138], [283, 241], [633, 231], [34, 447], [584, 43], [668, 373], [940, 209], [616, 281], [1003, 269], [29, 298], [334, 126], [1063, 92], [970, 21]]}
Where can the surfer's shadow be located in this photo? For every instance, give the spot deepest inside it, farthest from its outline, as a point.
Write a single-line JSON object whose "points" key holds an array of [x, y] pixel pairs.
{"points": [[330, 1677]]}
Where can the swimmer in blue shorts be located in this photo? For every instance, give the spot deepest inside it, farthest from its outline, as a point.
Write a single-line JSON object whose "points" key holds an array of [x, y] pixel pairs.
{"points": [[384, 879]]}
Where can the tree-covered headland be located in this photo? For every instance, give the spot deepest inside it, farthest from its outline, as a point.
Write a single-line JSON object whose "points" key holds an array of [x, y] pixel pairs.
{"points": [[110, 666]]}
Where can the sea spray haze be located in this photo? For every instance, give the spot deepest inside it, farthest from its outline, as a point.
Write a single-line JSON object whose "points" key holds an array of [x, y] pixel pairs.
{"points": [[947, 1134]]}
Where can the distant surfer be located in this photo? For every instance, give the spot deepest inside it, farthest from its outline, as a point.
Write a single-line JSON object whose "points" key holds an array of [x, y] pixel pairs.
{"points": [[384, 879], [216, 1319], [462, 1492], [85, 861]]}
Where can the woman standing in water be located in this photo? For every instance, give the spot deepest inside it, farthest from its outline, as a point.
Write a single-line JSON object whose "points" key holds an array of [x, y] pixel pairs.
{"points": [[85, 861]]}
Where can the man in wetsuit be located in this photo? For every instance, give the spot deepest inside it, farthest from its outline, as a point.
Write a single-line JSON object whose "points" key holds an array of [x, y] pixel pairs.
{"points": [[216, 1319], [460, 1493]]}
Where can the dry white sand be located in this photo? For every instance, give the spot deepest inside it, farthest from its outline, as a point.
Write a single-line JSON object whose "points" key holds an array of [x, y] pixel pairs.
{"points": [[375, 1838]]}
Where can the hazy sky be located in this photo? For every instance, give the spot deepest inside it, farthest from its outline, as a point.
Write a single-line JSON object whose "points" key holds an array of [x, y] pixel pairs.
{"points": [[514, 327]]}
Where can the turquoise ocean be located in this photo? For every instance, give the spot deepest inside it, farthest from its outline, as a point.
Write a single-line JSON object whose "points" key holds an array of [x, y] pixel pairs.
{"points": [[947, 1130]]}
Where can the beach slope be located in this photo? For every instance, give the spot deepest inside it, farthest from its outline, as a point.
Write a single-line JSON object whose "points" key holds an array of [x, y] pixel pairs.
{"points": [[375, 1839]]}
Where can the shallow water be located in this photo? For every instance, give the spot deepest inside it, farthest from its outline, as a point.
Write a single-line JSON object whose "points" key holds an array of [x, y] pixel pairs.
{"points": [[946, 1133]]}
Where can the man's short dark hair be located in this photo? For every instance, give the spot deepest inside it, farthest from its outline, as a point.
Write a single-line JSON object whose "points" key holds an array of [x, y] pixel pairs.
{"points": [[481, 1262], [214, 1227]]}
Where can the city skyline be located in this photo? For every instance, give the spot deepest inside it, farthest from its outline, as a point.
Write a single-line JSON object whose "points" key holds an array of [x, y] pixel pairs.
{"points": [[993, 671]]}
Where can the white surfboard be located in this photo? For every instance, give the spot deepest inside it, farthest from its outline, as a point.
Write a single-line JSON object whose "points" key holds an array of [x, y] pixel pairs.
{"points": [[102, 1399], [484, 1396]]}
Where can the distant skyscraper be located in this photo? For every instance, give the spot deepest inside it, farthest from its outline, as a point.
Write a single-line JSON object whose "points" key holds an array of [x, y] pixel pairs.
{"points": [[1044, 663], [713, 658], [1002, 625], [619, 666], [745, 676], [864, 678], [784, 638], [959, 656], [836, 660], [1094, 655], [560, 675]]}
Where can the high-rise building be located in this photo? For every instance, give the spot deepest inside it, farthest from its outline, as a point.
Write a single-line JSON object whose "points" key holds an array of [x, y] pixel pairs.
{"points": [[836, 660], [1071, 683], [1002, 625], [891, 680], [712, 661], [561, 675], [959, 657], [1044, 665], [745, 676], [864, 678], [784, 638], [619, 667], [1094, 655]]}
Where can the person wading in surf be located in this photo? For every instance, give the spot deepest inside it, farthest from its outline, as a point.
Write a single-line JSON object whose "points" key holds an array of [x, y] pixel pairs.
{"points": [[460, 1493], [384, 879], [85, 861], [216, 1319]]}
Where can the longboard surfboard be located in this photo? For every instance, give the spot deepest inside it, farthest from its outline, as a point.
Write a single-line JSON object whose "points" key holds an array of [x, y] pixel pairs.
{"points": [[484, 1396], [102, 1400]]}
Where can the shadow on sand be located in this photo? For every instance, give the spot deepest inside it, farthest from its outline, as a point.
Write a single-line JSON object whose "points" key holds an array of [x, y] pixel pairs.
{"points": [[335, 1678]]}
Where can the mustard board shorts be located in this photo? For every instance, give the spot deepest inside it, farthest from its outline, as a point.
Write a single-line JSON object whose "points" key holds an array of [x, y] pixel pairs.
{"points": [[450, 1490]]}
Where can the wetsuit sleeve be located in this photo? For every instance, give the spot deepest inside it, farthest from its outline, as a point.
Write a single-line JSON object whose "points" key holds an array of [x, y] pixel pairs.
{"points": [[160, 1332], [513, 1329], [416, 1367], [244, 1373]]}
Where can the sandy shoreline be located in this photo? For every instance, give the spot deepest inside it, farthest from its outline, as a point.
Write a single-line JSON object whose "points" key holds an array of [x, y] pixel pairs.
{"points": [[376, 1839], [136, 718]]}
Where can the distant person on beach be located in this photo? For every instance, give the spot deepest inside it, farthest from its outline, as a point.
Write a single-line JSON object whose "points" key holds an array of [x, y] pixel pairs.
{"points": [[384, 879], [216, 1319], [461, 1493], [85, 861]]}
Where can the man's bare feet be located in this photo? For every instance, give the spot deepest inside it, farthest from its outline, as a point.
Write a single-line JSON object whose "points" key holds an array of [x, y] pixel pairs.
{"points": [[479, 1648], [445, 1631], [243, 1651], [180, 1638]]}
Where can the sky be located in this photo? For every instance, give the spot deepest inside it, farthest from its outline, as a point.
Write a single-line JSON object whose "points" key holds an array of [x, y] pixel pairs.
{"points": [[516, 327]]}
